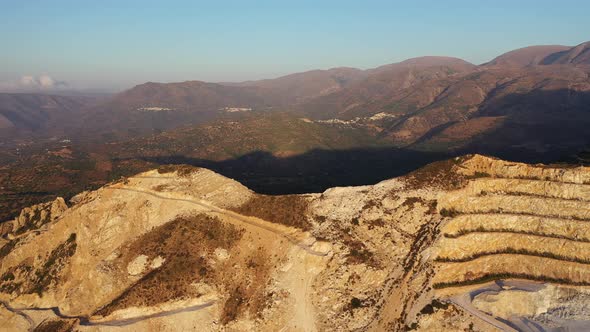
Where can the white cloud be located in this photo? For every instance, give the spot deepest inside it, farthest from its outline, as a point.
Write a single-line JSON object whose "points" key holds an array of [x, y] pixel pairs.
{"points": [[46, 81], [28, 81], [31, 83]]}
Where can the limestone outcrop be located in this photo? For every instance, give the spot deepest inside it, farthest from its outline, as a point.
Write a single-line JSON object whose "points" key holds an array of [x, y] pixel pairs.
{"points": [[34, 217]]}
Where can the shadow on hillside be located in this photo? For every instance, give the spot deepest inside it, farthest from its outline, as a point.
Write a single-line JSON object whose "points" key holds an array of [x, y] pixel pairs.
{"points": [[314, 171], [541, 126], [538, 127]]}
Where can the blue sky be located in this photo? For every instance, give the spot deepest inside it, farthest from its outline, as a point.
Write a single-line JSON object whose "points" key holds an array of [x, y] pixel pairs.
{"points": [[116, 44]]}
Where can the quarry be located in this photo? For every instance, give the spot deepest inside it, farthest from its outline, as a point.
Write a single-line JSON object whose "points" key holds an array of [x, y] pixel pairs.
{"points": [[472, 243]]}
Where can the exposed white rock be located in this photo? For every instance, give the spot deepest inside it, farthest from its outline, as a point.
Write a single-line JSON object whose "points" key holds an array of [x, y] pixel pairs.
{"points": [[221, 254], [157, 262], [137, 266]]}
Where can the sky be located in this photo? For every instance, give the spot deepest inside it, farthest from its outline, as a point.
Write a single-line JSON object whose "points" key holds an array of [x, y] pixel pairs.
{"points": [[112, 45]]}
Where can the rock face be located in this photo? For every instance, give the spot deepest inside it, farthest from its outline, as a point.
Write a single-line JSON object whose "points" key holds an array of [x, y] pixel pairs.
{"points": [[34, 217], [472, 243], [516, 221]]}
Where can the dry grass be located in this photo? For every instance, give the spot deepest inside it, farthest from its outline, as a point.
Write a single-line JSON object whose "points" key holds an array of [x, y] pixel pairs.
{"points": [[50, 271], [183, 170], [449, 213], [358, 252], [498, 276], [8, 247], [512, 251], [411, 203], [288, 210], [187, 244], [232, 305], [160, 187], [246, 296], [482, 229], [182, 242], [26, 278], [58, 325], [441, 174]]}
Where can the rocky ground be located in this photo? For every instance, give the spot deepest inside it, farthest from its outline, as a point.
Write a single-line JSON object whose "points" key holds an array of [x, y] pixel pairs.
{"points": [[469, 244]]}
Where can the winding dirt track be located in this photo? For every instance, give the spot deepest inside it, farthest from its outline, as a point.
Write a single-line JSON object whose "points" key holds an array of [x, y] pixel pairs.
{"points": [[85, 321], [19, 312], [465, 301], [232, 215]]}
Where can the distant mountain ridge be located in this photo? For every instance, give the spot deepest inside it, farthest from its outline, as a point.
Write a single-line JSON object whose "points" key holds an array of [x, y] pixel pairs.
{"points": [[544, 55], [284, 91], [419, 98], [579, 55], [516, 104], [33, 112], [189, 95], [340, 92], [527, 56], [301, 86], [536, 110]]}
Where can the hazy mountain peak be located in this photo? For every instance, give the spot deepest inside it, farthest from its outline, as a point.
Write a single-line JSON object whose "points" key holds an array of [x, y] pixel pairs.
{"points": [[526, 56], [432, 60], [576, 55], [428, 61]]}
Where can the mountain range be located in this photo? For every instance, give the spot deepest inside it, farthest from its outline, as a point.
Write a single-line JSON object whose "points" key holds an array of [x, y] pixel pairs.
{"points": [[329, 200], [529, 105]]}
